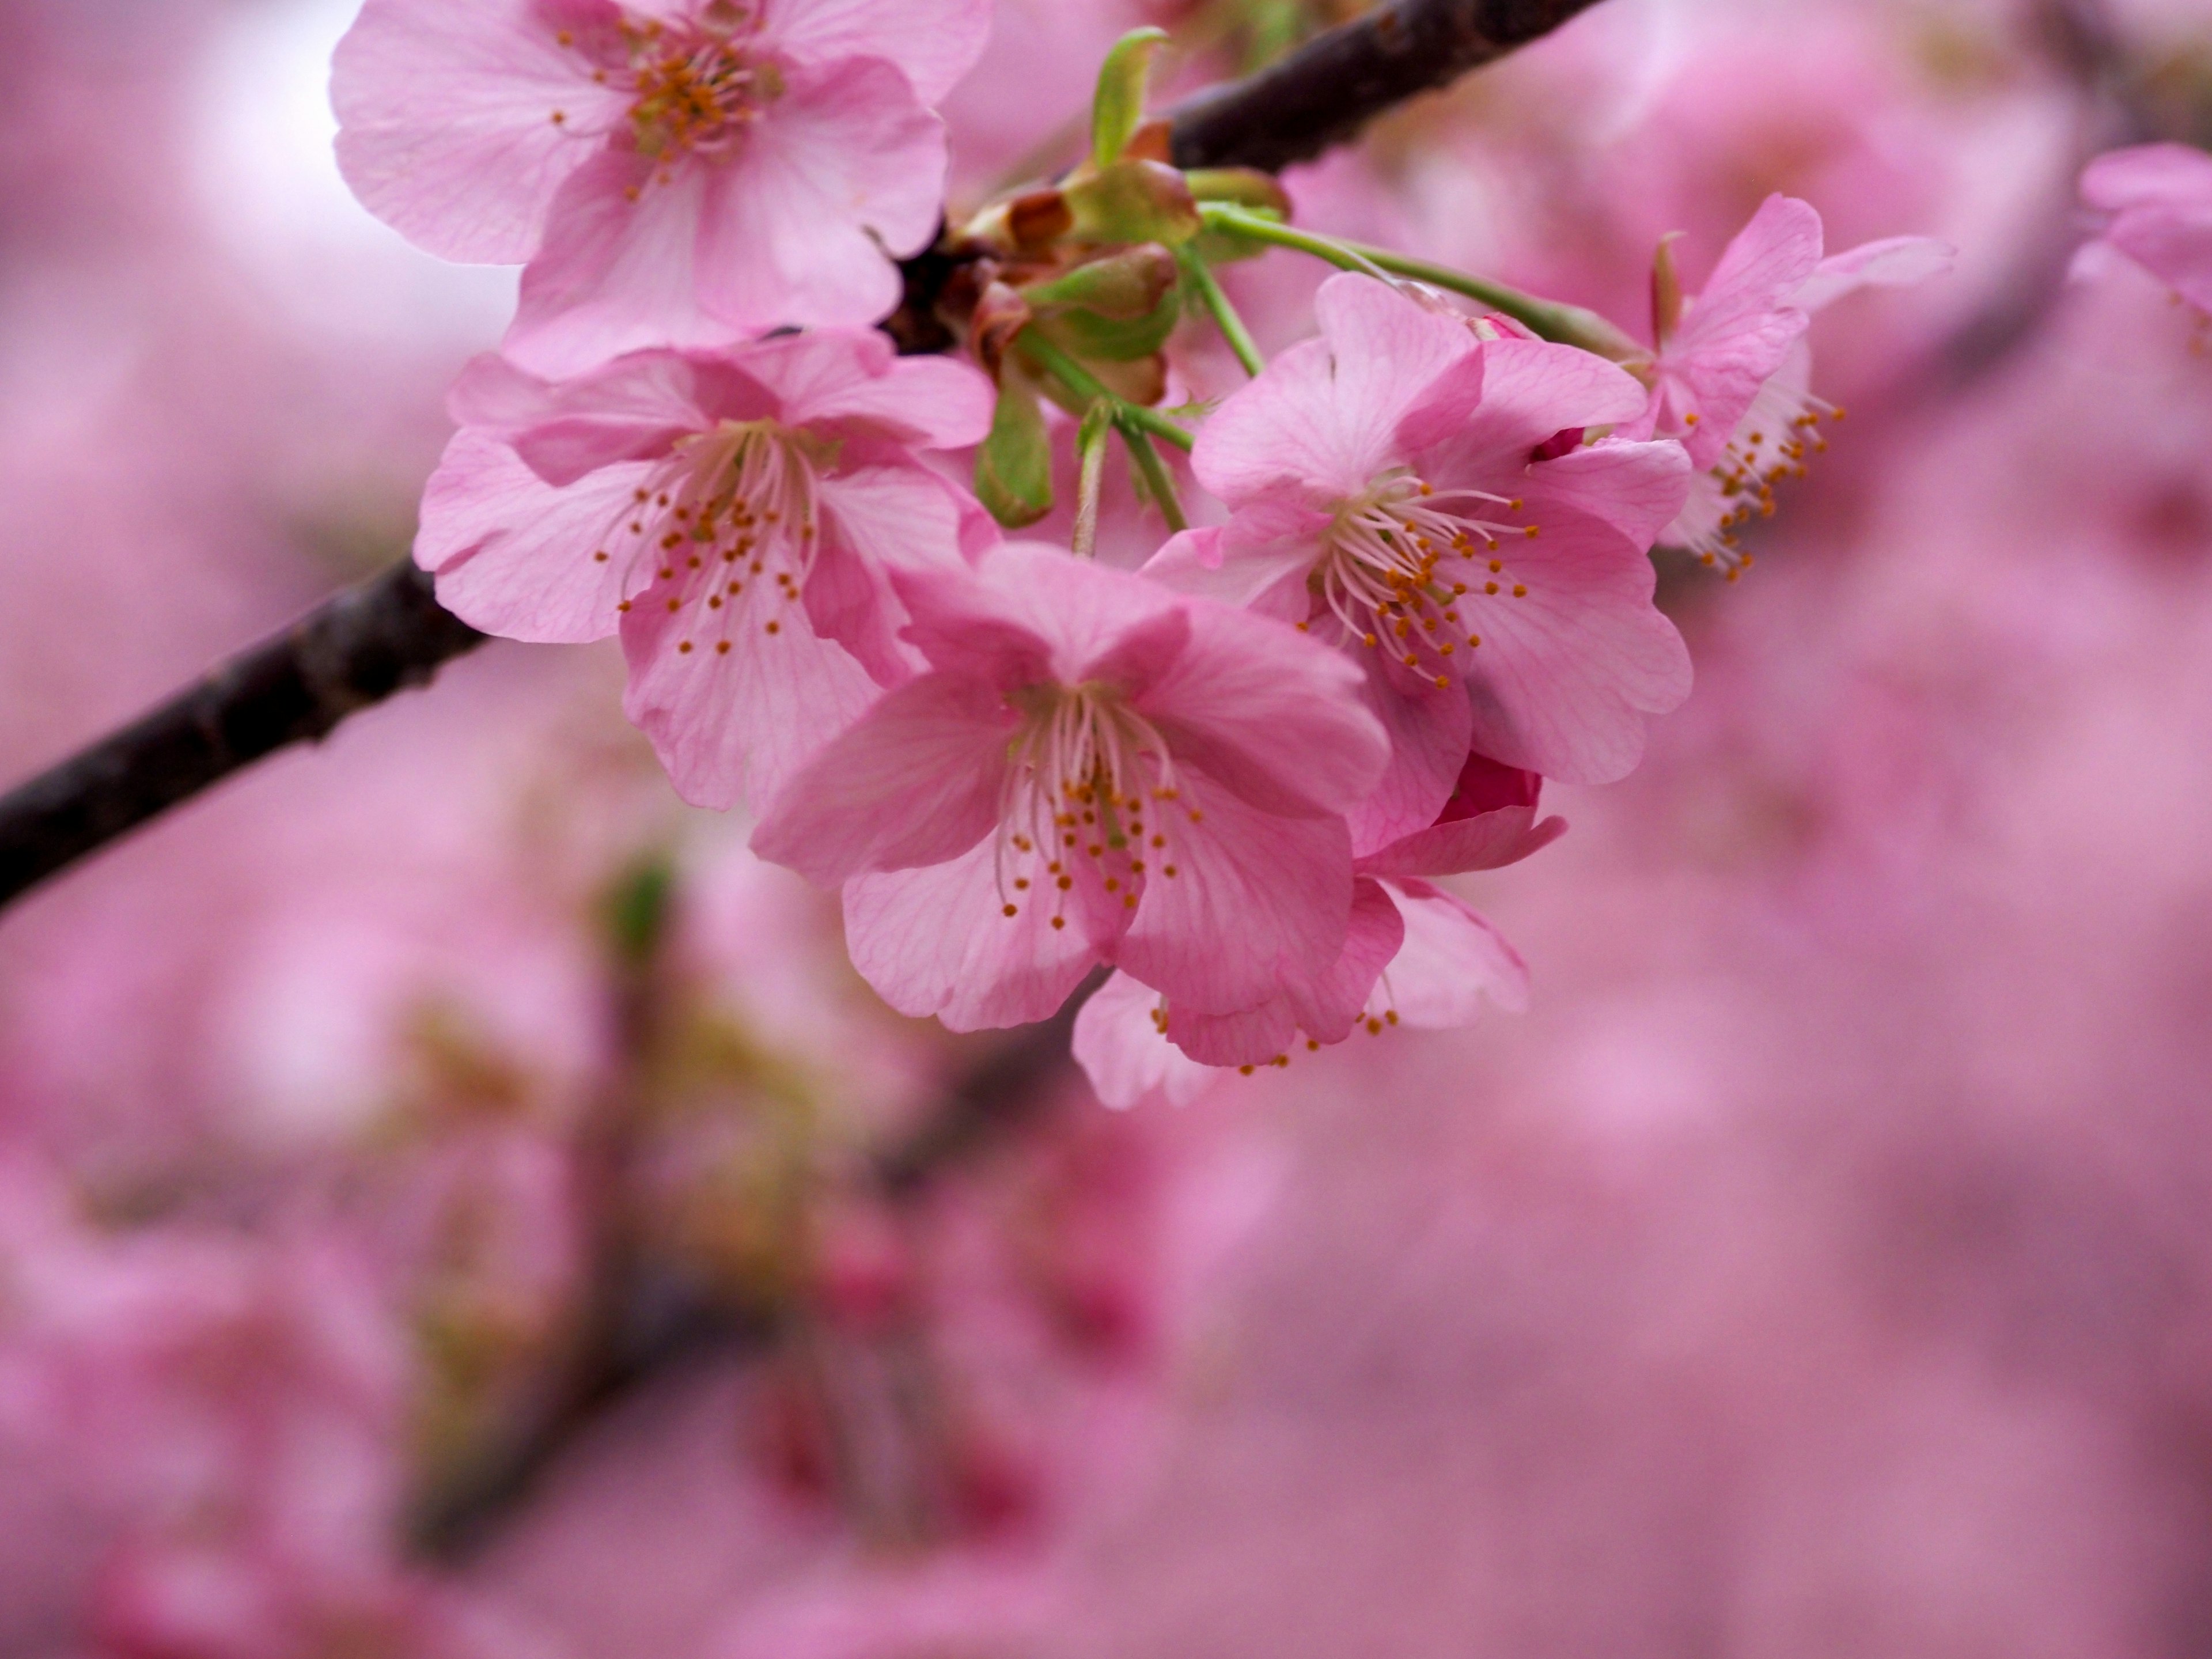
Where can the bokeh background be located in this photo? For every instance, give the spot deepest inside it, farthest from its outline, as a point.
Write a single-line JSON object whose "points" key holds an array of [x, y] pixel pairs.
{"points": [[454, 1203]]}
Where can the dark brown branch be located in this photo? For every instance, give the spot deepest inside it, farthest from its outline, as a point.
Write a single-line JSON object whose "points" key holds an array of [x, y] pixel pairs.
{"points": [[1324, 93], [354, 651], [365, 645]]}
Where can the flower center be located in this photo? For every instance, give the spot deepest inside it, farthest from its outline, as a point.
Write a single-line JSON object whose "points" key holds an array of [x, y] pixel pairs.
{"points": [[1091, 779], [697, 89], [1776, 441], [1406, 562], [732, 521]]}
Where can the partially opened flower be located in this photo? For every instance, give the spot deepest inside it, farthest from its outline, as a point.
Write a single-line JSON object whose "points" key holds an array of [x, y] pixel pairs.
{"points": [[676, 173], [1094, 769], [1415, 956], [2160, 200], [1402, 489], [736, 514], [1731, 377]]}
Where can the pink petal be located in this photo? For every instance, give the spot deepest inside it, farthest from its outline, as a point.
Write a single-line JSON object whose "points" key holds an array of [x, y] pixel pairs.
{"points": [[1488, 840], [934, 42], [937, 941], [1282, 436], [1030, 613], [1740, 329], [1269, 713], [517, 557], [1531, 389], [1452, 961], [1488, 786], [1391, 351], [446, 110], [1898, 262], [1429, 732], [1639, 488], [845, 166], [1253, 897], [915, 781], [734, 727], [618, 274], [1253, 1038], [875, 520], [851, 378], [1322, 1008], [1565, 674], [634, 409], [2161, 195], [2148, 175], [1320, 422], [1124, 1055], [1327, 1005], [1258, 562]]}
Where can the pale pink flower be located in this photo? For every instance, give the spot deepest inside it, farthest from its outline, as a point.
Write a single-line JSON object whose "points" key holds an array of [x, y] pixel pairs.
{"points": [[1095, 770], [735, 514], [1731, 375], [678, 173], [2160, 200], [1414, 955], [1399, 490]]}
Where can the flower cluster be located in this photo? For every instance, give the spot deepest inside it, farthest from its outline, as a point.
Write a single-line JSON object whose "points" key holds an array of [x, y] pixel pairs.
{"points": [[1232, 775]]}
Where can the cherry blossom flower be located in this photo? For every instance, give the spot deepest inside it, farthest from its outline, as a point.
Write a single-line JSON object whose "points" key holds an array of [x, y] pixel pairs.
{"points": [[1095, 770], [1731, 375], [675, 172], [1398, 491], [2160, 200], [1414, 955], [735, 515]]}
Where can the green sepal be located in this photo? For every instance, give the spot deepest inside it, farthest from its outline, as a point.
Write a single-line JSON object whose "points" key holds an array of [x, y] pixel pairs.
{"points": [[1094, 338], [1131, 202], [1125, 285], [1014, 469], [1118, 110]]}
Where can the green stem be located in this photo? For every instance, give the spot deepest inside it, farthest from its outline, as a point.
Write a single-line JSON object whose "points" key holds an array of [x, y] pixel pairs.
{"points": [[1259, 228], [1087, 386], [1202, 277], [1158, 479], [1091, 445], [1566, 325]]}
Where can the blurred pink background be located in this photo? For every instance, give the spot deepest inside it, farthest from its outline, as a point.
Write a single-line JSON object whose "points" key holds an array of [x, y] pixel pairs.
{"points": [[440, 1207]]}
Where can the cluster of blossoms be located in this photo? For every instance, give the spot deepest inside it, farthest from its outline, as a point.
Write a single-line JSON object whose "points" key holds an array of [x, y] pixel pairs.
{"points": [[1231, 776]]}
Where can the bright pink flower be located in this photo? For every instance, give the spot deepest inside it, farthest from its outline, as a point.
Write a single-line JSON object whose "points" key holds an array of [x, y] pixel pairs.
{"points": [[2160, 197], [1731, 378], [677, 172], [1390, 498], [736, 514], [1095, 770], [1414, 955]]}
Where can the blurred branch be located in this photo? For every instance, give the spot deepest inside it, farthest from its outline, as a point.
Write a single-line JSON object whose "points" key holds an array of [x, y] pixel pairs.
{"points": [[389, 634], [349, 653], [1324, 93], [641, 1326]]}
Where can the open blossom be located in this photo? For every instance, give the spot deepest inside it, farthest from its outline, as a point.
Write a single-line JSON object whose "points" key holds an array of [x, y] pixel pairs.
{"points": [[677, 172], [1731, 376], [1094, 769], [1399, 491], [1414, 955], [2160, 200], [735, 514]]}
